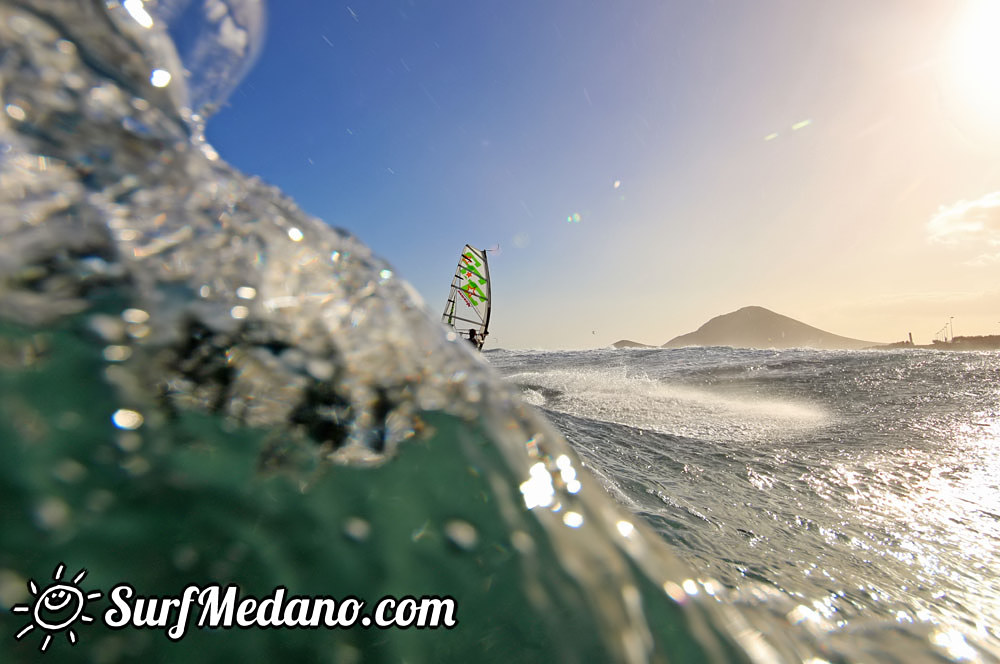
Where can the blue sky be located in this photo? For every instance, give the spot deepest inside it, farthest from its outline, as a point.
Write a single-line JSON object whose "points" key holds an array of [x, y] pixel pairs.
{"points": [[834, 162]]}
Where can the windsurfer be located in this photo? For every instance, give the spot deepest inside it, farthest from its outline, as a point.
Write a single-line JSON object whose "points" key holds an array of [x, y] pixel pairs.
{"points": [[467, 310]]}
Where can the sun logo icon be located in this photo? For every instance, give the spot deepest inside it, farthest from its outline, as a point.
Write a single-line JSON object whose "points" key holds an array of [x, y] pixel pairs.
{"points": [[56, 607]]}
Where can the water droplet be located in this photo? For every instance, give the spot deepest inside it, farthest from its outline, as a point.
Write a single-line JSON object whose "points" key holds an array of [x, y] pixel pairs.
{"points": [[15, 112], [462, 534], [129, 442], [107, 327], [136, 465], [320, 369], [52, 513], [675, 592], [127, 419], [135, 316], [117, 353], [357, 529], [522, 542], [573, 519], [160, 78], [209, 152], [139, 331], [13, 589], [138, 13], [69, 471], [537, 491]]}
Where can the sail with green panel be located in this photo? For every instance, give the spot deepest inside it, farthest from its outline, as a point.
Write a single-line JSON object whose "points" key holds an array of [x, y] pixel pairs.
{"points": [[470, 298]]}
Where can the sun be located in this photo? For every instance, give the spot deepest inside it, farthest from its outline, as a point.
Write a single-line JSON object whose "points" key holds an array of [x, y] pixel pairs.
{"points": [[974, 57], [57, 607]]}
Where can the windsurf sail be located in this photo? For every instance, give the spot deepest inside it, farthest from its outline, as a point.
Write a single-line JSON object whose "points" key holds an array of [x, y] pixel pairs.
{"points": [[470, 299]]}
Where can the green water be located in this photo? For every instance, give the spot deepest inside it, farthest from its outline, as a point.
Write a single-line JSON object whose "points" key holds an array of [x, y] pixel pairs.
{"points": [[187, 498], [191, 504]]}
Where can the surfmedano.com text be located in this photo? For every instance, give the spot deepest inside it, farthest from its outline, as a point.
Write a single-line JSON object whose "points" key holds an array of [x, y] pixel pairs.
{"points": [[224, 609]]}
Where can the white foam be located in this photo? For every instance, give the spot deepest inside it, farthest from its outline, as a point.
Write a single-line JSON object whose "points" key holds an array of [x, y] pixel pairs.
{"points": [[612, 395], [533, 397]]}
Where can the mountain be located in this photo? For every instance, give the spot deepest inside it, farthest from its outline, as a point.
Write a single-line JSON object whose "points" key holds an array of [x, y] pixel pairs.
{"points": [[757, 327], [625, 343]]}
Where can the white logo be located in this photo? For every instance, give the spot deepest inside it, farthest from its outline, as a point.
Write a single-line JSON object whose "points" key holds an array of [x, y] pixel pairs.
{"points": [[61, 603], [56, 607]]}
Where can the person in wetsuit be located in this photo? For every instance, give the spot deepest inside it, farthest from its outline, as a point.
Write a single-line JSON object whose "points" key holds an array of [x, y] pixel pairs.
{"points": [[474, 339]]}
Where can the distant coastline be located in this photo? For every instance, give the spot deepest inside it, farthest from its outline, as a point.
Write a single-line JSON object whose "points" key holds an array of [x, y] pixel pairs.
{"points": [[984, 342], [757, 327]]}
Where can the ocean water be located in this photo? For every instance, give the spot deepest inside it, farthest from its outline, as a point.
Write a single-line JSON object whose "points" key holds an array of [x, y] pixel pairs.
{"points": [[201, 384], [865, 484]]}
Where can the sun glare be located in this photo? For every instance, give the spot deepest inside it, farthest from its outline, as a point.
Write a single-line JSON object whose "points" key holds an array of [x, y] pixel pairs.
{"points": [[975, 51]]}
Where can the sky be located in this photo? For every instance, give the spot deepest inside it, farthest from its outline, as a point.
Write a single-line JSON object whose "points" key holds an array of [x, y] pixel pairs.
{"points": [[644, 166]]}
